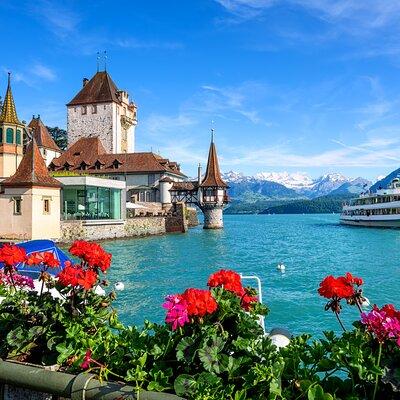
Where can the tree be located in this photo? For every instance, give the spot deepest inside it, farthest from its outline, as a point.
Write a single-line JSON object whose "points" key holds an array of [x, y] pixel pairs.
{"points": [[59, 135]]}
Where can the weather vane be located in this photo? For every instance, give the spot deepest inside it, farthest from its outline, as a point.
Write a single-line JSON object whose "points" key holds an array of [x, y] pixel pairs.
{"points": [[99, 58]]}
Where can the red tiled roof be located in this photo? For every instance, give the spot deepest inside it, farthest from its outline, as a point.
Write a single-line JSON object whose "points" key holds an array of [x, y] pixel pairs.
{"points": [[212, 177], [42, 135], [32, 171], [100, 89], [92, 151], [184, 186]]}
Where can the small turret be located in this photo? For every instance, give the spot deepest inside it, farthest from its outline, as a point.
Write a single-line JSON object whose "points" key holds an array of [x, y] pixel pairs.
{"points": [[213, 196], [11, 135]]}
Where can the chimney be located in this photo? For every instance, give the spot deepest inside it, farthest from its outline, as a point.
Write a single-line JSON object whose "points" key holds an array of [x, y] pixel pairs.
{"points": [[84, 82], [199, 174]]}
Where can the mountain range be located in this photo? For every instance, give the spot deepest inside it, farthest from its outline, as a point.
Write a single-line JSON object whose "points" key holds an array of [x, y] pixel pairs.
{"points": [[286, 186]]}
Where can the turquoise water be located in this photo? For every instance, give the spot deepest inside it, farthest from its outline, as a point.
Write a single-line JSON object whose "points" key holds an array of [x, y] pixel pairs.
{"points": [[311, 246]]}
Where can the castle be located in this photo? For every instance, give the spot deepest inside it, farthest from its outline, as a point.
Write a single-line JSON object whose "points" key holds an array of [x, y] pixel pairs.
{"points": [[98, 175]]}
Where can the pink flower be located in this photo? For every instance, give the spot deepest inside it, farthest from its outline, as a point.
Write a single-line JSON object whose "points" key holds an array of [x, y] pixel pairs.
{"points": [[177, 314], [383, 323], [87, 360], [173, 300]]}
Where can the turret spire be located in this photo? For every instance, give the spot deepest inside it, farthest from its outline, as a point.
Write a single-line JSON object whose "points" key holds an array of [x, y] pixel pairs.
{"points": [[212, 177], [8, 111]]}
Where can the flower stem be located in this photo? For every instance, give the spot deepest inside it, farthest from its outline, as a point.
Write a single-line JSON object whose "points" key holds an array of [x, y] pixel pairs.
{"points": [[340, 322], [377, 375]]}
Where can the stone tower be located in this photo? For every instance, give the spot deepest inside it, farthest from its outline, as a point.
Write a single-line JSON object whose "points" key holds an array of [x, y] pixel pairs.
{"points": [[11, 135], [212, 192], [101, 109]]}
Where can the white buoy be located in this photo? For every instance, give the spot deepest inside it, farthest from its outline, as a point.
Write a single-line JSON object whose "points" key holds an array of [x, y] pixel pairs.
{"points": [[119, 286], [280, 337], [281, 267]]}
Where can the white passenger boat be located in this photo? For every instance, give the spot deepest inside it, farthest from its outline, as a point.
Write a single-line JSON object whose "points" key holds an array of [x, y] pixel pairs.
{"points": [[380, 209]]}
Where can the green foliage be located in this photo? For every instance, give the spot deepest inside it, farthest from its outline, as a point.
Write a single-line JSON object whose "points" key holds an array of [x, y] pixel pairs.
{"points": [[60, 136], [320, 205], [224, 355]]}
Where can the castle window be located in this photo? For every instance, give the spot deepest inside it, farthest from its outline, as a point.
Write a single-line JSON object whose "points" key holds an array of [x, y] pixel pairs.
{"points": [[94, 109], [97, 165], [84, 110], [116, 164], [1, 135], [18, 137], [17, 205], [152, 179], [46, 206], [9, 135]]}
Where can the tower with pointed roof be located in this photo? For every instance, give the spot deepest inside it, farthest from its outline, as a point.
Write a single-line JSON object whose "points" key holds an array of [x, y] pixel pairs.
{"points": [[212, 192], [101, 109], [11, 135], [30, 200]]}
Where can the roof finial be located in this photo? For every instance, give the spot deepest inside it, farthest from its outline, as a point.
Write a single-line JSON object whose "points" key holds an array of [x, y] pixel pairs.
{"points": [[105, 60], [212, 131], [9, 79]]}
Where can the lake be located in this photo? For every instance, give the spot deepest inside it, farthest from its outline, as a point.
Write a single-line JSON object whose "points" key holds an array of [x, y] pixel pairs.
{"points": [[311, 247]]}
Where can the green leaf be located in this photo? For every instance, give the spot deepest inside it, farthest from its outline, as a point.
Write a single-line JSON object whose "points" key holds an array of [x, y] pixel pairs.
{"points": [[185, 350], [326, 365], [185, 385]]}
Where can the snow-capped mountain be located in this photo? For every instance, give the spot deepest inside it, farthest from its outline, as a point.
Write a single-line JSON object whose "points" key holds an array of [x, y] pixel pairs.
{"points": [[295, 184], [296, 181], [327, 183]]}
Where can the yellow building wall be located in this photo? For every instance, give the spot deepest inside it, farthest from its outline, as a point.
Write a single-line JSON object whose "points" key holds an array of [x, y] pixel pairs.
{"points": [[33, 223], [9, 164], [15, 226], [45, 226]]}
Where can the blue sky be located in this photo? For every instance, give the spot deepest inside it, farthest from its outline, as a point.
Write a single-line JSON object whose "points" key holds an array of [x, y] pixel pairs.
{"points": [[291, 85]]}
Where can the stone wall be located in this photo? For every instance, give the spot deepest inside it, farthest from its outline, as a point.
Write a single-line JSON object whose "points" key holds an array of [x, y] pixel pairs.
{"points": [[192, 217], [175, 218], [133, 227], [92, 124], [213, 217]]}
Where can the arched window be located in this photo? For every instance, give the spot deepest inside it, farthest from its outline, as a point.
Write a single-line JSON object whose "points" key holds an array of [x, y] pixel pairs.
{"points": [[10, 135], [18, 137], [1, 135]]}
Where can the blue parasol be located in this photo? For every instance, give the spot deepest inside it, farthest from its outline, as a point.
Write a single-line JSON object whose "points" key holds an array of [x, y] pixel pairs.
{"points": [[34, 246]]}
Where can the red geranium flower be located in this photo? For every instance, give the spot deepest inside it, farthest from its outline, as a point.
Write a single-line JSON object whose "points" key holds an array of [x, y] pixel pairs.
{"points": [[68, 276], [247, 301], [87, 278], [91, 253], [229, 280], [199, 302], [353, 280], [12, 255], [47, 258], [332, 287], [76, 276]]}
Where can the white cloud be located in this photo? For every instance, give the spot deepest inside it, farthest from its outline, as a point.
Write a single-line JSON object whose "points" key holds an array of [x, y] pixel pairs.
{"points": [[374, 152], [60, 20], [355, 17], [42, 71]]}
